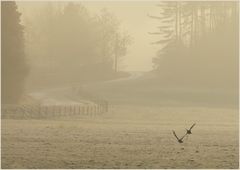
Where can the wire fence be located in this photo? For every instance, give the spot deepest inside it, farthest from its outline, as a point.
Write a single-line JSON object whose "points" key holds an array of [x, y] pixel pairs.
{"points": [[47, 111]]}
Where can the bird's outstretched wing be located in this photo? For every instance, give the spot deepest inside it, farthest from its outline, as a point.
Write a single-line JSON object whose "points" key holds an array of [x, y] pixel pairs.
{"points": [[183, 136], [192, 126], [175, 135]]}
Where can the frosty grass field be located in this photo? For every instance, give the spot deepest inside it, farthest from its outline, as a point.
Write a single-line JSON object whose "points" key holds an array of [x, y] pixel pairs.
{"points": [[125, 137]]}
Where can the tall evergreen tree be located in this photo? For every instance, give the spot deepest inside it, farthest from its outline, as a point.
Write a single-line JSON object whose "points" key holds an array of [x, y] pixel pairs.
{"points": [[203, 34], [14, 67]]}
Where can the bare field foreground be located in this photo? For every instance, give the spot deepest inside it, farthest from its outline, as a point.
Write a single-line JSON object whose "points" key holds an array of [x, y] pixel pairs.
{"points": [[125, 137]]}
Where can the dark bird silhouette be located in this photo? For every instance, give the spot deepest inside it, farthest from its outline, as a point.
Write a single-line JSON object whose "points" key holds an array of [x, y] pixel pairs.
{"points": [[189, 131], [180, 140]]}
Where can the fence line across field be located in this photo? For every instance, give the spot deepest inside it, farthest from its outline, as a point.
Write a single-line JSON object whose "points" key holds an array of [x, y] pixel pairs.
{"points": [[38, 111]]}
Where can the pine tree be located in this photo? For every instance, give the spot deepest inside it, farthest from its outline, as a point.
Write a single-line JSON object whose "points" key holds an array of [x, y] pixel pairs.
{"points": [[14, 67]]}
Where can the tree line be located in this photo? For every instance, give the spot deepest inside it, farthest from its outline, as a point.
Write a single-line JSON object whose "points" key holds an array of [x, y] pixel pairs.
{"points": [[60, 43], [69, 43], [13, 60], [198, 43]]}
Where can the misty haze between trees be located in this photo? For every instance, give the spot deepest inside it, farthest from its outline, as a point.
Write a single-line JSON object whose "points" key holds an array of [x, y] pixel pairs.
{"points": [[198, 47]]}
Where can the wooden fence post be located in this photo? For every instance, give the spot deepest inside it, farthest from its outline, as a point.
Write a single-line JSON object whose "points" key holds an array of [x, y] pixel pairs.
{"points": [[76, 109], [54, 110], [65, 110], [84, 109], [88, 109], [71, 110]]}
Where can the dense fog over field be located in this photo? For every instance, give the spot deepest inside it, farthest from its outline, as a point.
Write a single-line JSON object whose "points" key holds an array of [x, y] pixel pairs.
{"points": [[110, 79]]}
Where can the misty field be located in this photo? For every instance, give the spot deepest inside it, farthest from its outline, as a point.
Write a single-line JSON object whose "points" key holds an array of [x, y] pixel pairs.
{"points": [[107, 84], [125, 137]]}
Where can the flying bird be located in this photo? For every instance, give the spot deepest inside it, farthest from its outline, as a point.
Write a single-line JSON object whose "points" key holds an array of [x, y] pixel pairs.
{"points": [[180, 140], [189, 131]]}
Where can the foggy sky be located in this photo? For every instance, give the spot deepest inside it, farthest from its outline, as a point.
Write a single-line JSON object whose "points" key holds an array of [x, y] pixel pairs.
{"points": [[134, 20]]}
